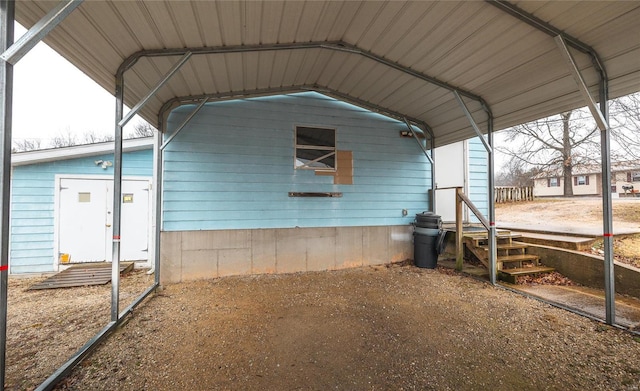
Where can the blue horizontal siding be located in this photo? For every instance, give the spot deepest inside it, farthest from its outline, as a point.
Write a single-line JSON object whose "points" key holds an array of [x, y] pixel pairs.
{"points": [[478, 177], [37, 267], [33, 204], [232, 167]]}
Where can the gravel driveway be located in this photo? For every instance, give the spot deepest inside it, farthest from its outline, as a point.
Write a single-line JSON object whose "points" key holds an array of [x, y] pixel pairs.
{"points": [[382, 328]]}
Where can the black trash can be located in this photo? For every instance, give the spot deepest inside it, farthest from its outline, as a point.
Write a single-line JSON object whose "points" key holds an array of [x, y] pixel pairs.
{"points": [[427, 240]]}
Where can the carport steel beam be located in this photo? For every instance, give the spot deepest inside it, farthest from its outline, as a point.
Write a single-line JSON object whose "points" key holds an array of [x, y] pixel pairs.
{"points": [[489, 225], [609, 277], [11, 54], [31, 38], [7, 12], [601, 118], [335, 46]]}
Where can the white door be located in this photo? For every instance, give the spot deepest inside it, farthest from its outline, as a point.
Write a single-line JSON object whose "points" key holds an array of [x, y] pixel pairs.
{"points": [[134, 229], [86, 216], [83, 220]]}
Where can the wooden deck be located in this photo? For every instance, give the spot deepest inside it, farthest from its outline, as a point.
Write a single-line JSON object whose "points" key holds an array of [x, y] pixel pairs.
{"points": [[82, 275]]}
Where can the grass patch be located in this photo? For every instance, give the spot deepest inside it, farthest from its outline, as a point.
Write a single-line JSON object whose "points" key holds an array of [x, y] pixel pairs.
{"points": [[628, 212], [626, 249]]}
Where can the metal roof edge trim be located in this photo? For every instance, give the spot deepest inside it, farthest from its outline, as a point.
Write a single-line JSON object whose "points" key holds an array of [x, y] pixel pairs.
{"points": [[77, 151]]}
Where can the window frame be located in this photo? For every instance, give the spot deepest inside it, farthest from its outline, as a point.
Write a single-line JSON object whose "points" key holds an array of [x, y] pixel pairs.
{"points": [[554, 182], [583, 182], [635, 176], [331, 151]]}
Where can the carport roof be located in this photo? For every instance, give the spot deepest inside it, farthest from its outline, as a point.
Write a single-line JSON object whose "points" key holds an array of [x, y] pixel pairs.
{"points": [[398, 57]]}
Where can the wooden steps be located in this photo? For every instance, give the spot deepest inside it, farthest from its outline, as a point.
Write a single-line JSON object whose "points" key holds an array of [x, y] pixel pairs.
{"points": [[512, 257], [510, 275]]}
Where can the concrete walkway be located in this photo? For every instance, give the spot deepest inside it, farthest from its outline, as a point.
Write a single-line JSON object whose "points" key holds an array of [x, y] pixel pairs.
{"points": [[584, 231], [586, 300]]}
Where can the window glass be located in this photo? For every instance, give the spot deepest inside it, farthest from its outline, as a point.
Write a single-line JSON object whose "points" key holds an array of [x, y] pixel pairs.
{"points": [[315, 148], [582, 180], [553, 182], [635, 176]]}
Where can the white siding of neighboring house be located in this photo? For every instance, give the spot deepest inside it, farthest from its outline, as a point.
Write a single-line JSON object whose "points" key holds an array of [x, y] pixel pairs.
{"points": [[593, 188], [541, 187]]}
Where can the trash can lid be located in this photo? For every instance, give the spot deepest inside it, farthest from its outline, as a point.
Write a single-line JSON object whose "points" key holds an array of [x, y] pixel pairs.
{"points": [[428, 220]]}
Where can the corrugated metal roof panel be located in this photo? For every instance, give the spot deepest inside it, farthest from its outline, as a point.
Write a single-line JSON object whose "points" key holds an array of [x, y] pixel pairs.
{"points": [[471, 45]]}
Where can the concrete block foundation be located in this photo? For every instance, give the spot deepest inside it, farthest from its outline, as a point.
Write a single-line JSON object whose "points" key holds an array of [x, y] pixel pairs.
{"points": [[192, 255]]}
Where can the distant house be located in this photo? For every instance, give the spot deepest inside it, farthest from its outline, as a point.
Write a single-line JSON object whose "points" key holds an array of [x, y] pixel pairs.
{"points": [[587, 180], [61, 201]]}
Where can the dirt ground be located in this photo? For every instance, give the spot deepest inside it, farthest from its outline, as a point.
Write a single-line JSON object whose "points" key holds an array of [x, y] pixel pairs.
{"points": [[383, 328], [46, 327], [372, 328]]}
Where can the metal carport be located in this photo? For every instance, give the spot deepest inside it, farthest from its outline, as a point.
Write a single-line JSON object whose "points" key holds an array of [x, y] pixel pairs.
{"points": [[452, 68]]}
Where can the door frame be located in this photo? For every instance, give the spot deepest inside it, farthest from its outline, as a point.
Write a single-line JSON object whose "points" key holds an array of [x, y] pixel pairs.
{"points": [[56, 213]]}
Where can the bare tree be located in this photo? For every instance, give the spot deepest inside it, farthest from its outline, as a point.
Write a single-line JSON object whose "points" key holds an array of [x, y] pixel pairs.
{"points": [[142, 129], [625, 123], [561, 142], [516, 173], [93, 137], [64, 139], [27, 144]]}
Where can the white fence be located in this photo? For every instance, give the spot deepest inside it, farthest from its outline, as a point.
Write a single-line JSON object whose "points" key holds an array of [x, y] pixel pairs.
{"points": [[513, 194]]}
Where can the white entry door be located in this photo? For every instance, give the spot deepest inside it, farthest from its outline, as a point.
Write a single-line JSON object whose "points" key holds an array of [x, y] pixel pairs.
{"points": [[86, 216]]}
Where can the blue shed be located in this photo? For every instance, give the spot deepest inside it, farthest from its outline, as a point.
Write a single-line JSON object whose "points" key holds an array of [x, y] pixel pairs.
{"points": [[61, 202]]}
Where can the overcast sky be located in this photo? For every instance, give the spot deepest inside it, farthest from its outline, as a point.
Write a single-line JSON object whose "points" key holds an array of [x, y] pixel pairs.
{"points": [[50, 96]]}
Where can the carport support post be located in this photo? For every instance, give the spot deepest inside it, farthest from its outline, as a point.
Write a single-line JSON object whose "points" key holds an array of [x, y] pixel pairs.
{"points": [[117, 194], [488, 146], [601, 117], [607, 215], [7, 13], [158, 199], [493, 254], [459, 230]]}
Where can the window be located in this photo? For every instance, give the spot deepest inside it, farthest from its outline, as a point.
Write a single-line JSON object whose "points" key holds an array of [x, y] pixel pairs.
{"points": [[554, 182], [315, 148], [580, 180], [635, 176]]}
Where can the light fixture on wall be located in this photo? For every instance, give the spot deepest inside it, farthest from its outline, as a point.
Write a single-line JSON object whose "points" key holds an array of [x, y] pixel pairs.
{"points": [[406, 133], [103, 163]]}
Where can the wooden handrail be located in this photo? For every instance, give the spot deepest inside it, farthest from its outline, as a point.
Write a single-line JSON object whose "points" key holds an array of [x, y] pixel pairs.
{"points": [[462, 198]]}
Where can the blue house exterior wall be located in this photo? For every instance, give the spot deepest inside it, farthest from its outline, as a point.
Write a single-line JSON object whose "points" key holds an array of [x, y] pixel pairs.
{"points": [[478, 177], [33, 203], [232, 167]]}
